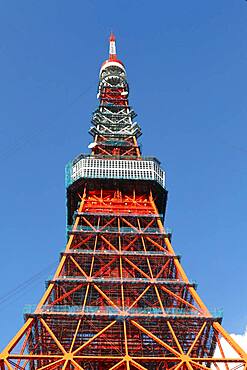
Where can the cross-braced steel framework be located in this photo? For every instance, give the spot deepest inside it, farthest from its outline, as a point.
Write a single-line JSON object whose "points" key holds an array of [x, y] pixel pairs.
{"points": [[120, 298]]}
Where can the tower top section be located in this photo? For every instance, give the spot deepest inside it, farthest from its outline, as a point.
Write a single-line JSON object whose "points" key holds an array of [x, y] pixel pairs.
{"points": [[112, 61], [116, 156]]}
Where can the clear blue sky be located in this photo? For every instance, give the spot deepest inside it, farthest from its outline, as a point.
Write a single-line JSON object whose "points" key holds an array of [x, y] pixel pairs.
{"points": [[186, 64]]}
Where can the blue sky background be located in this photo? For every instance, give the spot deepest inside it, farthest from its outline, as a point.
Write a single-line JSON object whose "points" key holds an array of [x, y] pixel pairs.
{"points": [[186, 64]]}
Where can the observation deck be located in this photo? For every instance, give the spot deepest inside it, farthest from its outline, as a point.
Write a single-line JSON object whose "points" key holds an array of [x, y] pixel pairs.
{"points": [[122, 172], [87, 166]]}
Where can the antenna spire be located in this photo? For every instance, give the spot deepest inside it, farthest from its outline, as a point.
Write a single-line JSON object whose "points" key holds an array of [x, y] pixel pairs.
{"points": [[112, 47]]}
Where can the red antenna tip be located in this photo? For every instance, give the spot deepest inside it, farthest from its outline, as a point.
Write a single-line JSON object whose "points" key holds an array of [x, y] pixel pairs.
{"points": [[112, 37], [112, 47]]}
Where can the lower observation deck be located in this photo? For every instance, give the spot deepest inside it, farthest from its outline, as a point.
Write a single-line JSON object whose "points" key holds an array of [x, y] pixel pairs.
{"points": [[126, 174], [86, 166]]}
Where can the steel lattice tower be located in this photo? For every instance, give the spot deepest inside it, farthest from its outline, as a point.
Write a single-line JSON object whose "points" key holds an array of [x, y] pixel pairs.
{"points": [[119, 298]]}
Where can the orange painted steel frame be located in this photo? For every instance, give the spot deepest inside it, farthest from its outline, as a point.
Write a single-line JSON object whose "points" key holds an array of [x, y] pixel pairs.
{"points": [[115, 335]]}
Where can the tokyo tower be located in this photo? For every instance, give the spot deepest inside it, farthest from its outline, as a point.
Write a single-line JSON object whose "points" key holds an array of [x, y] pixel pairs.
{"points": [[119, 298]]}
